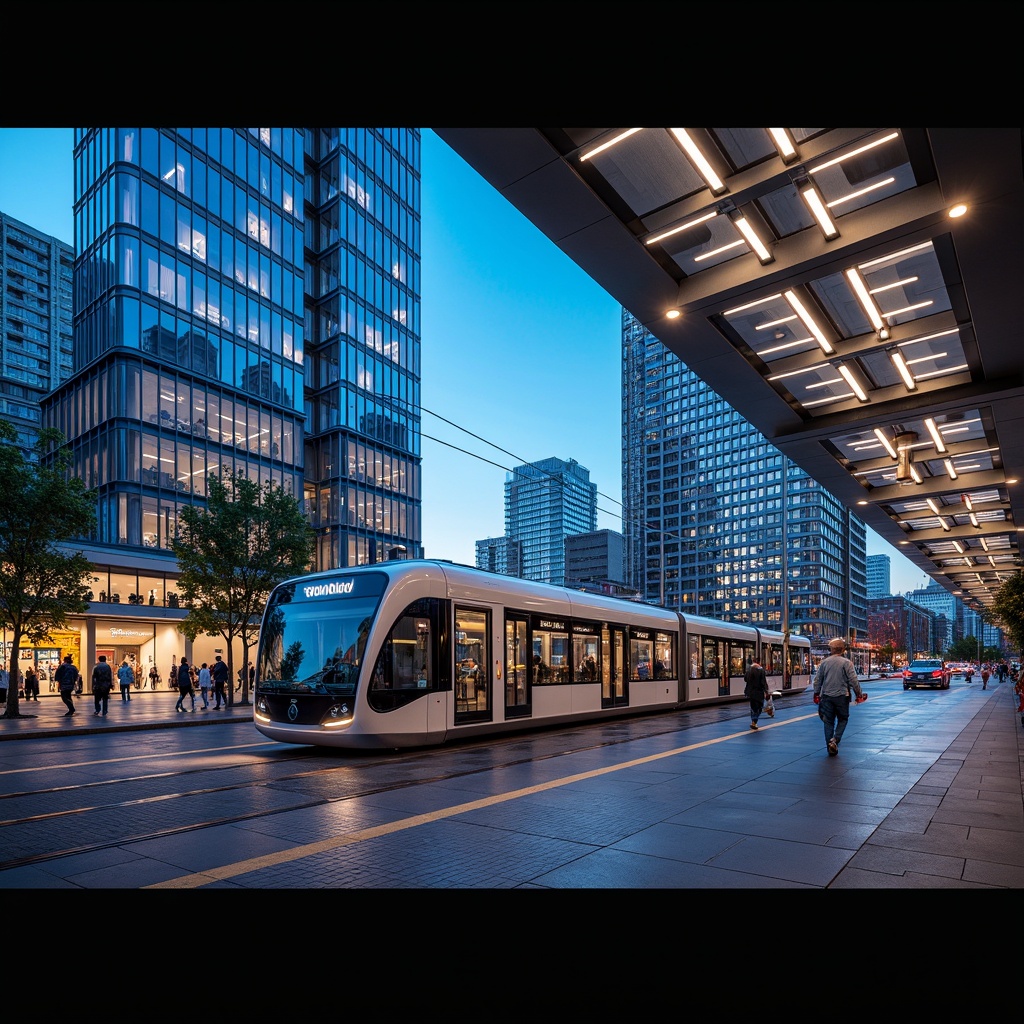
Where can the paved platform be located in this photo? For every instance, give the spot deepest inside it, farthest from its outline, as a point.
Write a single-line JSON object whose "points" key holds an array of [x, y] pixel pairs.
{"points": [[925, 793]]}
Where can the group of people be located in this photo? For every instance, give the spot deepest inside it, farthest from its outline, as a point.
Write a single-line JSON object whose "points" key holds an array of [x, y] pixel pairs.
{"points": [[835, 683], [207, 677]]}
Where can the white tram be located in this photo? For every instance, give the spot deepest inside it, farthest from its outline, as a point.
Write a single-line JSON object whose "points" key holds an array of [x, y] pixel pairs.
{"points": [[418, 652]]}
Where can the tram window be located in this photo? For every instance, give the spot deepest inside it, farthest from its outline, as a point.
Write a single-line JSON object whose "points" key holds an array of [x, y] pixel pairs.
{"points": [[586, 656], [406, 660], [641, 656], [472, 658], [740, 657], [550, 659], [664, 656]]}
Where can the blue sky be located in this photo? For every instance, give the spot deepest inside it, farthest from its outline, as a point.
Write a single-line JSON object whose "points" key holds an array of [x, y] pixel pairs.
{"points": [[521, 357]]}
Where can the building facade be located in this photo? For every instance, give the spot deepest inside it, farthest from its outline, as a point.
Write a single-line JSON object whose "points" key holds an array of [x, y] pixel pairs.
{"points": [[879, 576], [246, 301], [545, 502], [35, 323], [715, 517], [594, 561], [500, 554]]}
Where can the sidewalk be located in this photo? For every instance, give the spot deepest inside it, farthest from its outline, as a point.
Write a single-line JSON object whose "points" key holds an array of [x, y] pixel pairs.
{"points": [[146, 710]]}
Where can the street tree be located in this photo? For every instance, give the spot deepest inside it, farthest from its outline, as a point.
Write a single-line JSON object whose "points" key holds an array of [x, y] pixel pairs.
{"points": [[1007, 610], [42, 580], [231, 554]]}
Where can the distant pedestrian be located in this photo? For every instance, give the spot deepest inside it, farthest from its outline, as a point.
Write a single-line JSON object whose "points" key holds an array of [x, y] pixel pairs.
{"points": [[986, 671], [219, 672], [184, 686], [172, 677], [969, 674], [204, 685], [834, 683], [756, 690], [126, 680], [31, 685], [67, 680], [102, 684], [154, 677]]}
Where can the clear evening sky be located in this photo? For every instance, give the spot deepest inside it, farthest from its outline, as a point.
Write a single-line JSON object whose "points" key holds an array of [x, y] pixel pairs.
{"points": [[521, 350]]}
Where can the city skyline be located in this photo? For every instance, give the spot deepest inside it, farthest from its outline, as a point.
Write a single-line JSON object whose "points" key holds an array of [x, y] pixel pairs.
{"points": [[521, 349]]}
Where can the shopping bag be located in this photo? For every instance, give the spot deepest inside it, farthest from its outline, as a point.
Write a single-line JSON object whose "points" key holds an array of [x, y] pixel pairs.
{"points": [[769, 707]]}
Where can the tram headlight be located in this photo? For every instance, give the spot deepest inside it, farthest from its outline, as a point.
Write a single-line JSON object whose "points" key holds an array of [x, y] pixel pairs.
{"points": [[338, 715]]}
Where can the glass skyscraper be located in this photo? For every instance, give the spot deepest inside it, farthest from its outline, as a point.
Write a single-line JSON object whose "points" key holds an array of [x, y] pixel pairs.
{"points": [[245, 300], [714, 515], [35, 323]]}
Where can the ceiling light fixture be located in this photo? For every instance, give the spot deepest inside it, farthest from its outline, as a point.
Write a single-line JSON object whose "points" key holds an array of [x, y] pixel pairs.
{"points": [[974, 521], [681, 227], [930, 502], [850, 379], [940, 445], [607, 145], [945, 525], [700, 161], [816, 205], [984, 544], [883, 334], [783, 143], [808, 321], [959, 210], [950, 469], [966, 499], [886, 444], [746, 229], [960, 548], [901, 367], [860, 289], [672, 314]]}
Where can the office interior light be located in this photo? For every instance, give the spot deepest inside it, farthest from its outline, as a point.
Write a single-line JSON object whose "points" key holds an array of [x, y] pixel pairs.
{"points": [[950, 468], [700, 161], [851, 379], [798, 307], [784, 144], [818, 209], [860, 289], [940, 445], [746, 229], [902, 369], [886, 443]]}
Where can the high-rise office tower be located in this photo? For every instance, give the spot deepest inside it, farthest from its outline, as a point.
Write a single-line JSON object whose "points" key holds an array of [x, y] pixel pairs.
{"points": [[246, 300], [714, 516], [545, 502], [879, 569], [35, 322]]}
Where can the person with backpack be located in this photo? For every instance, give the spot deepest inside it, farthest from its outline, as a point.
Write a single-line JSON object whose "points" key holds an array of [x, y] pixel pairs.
{"points": [[67, 680], [185, 688], [102, 684], [219, 672]]}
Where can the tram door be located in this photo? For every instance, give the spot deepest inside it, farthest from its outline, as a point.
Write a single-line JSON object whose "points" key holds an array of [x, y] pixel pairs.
{"points": [[614, 679], [518, 699]]}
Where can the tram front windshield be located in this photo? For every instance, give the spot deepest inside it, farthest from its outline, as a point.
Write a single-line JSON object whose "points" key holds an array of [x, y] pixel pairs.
{"points": [[314, 634]]}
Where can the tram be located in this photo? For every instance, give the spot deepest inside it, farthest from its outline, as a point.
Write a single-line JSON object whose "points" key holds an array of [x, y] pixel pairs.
{"points": [[420, 652]]}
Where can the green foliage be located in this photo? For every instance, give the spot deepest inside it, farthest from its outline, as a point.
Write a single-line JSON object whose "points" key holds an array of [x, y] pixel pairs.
{"points": [[233, 553], [1007, 610], [41, 583]]}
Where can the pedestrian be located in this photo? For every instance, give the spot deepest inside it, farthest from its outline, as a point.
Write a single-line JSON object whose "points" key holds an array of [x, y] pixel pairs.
{"points": [[834, 683], [969, 674], [126, 679], [184, 686], [102, 684], [204, 685], [986, 671], [756, 690], [252, 674], [219, 673], [67, 679], [31, 685], [172, 678], [154, 677]]}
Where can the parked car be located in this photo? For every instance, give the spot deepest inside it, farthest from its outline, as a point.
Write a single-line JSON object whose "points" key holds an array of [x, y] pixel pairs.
{"points": [[931, 672]]}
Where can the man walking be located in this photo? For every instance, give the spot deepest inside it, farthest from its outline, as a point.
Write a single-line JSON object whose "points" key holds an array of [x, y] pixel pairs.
{"points": [[102, 684], [67, 678], [833, 683], [220, 682], [204, 685], [756, 690]]}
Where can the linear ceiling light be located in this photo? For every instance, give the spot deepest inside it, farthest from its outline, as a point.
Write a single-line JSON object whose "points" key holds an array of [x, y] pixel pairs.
{"points": [[817, 207], [940, 445], [974, 522], [901, 367], [860, 289], [886, 443], [808, 320], [960, 548], [945, 525], [950, 469], [608, 145], [784, 144], [966, 499], [746, 229], [930, 502], [848, 375], [984, 543], [700, 161], [682, 227]]}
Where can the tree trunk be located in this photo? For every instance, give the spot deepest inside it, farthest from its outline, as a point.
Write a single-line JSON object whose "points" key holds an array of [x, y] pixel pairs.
{"points": [[13, 708]]}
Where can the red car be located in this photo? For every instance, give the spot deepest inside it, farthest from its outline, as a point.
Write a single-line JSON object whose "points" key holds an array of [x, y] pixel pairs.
{"points": [[927, 672]]}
